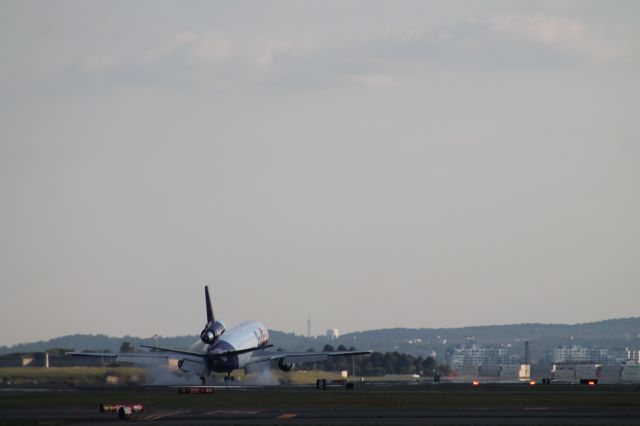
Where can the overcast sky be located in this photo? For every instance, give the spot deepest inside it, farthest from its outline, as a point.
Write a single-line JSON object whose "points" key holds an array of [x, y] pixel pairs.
{"points": [[370, 164]]}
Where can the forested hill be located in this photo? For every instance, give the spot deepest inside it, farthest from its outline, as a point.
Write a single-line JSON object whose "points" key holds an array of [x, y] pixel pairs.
{"points": [[619, 328], [609, 333], [613, 333]]}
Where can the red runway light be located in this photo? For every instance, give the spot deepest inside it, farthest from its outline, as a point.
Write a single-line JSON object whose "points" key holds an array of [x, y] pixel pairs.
{"points": [[475, 383]]}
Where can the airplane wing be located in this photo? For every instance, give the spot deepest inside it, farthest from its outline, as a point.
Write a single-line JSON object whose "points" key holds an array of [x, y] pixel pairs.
{"points": [[175, 351], [298, 357], [142, 358], [202, 355]]}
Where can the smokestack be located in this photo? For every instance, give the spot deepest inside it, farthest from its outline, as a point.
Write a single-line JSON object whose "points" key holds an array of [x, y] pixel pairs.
{"points": [[527, 352]]}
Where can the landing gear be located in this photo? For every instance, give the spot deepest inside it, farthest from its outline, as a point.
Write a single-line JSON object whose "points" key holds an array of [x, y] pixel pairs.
{"points": [[229, 378], [203, 380]]}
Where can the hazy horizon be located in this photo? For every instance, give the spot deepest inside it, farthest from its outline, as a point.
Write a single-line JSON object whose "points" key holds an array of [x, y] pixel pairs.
{"points": [[368, 164], [323, 333]]}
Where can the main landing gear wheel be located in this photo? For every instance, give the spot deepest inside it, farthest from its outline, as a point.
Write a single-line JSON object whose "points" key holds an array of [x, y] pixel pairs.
{"points": [[203, 380]]}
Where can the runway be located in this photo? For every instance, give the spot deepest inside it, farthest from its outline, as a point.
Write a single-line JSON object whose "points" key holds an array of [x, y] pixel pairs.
{"points": [[343, 416], [297, 405]]}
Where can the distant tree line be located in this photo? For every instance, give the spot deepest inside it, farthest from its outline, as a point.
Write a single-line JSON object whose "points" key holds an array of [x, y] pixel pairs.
{"points": [[378, 363]]}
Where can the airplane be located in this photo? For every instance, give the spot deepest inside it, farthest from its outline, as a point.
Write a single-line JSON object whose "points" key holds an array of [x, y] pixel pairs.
{"points": [[224, 351]]}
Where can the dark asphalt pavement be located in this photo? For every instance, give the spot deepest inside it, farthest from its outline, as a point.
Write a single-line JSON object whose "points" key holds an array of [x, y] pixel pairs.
{"points": [[343, 416]]}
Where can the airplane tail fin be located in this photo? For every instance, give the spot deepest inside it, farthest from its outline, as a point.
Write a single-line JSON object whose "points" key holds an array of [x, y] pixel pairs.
{"points": [[210, 318], [212, 329]]}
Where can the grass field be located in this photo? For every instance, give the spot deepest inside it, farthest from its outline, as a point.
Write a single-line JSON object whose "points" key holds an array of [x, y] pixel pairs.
{"points": [[67, 375], [78, 376]]}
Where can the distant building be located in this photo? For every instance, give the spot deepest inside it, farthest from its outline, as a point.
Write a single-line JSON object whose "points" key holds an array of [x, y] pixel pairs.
{"points": [[12, 361], [79, 361], [37, 359], [630, 373], [43, 359], [609, 373], [474, 356], [515, 372], [579, 354], [563, 372], [333, 334], [633, 355]]}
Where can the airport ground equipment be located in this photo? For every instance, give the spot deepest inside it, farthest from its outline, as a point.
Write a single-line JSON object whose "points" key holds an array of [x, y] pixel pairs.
{"points": [[113, 408], [124, 411]]}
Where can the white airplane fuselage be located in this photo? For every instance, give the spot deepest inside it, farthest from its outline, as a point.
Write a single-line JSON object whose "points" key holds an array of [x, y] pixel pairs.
{"points": [[250, 334]]}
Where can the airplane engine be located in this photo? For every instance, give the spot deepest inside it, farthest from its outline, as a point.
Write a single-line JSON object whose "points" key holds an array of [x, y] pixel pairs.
{"points": [[211, 333], [207, 336], [284, 366]]}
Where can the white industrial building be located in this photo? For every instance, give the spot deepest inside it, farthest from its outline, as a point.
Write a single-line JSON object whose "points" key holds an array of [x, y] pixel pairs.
{"points": [[505, 372], [633, 355], [580, 354], [515, 372], [603, 373], [474, 356], [333, 334], [630, 373]]}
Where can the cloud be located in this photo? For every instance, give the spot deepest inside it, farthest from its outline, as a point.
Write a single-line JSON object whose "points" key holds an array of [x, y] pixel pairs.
{"points": [[540, 28], [569, 34], [268, 51], [377, 80], [212, 49], [159, 51], [218, 60], [102, 63], [373, 58]]}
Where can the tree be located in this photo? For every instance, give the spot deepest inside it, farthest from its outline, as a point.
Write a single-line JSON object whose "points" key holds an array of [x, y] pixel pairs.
{"points": [[126, 347], [428, 366], [444, 370]]}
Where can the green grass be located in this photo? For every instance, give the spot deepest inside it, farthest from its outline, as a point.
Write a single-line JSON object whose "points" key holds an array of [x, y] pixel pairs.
{"points": [[70, 375]]}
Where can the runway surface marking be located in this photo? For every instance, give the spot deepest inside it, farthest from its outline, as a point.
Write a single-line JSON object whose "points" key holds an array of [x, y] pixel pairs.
{"points": [[287, 416], [154, 417]]}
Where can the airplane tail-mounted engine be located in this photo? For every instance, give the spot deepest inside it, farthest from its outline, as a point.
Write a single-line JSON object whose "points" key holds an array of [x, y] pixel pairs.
{"points": [[212, 332], [284, 366], [212, 329]]}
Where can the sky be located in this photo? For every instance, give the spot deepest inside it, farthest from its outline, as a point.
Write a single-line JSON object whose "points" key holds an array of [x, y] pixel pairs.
{"points": [[367, 164]]}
